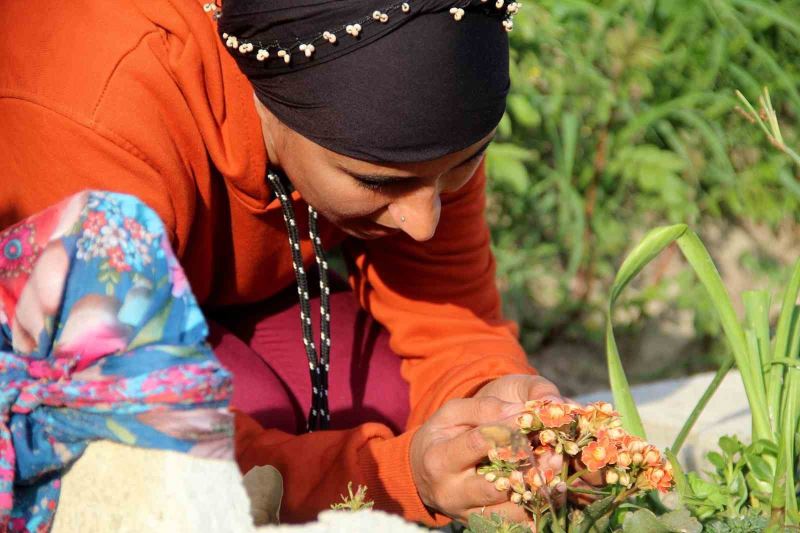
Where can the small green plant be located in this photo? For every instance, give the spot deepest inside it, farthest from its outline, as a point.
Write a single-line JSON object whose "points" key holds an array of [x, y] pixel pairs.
{"points": [[767, 120], [354, 501], [759, 479]]}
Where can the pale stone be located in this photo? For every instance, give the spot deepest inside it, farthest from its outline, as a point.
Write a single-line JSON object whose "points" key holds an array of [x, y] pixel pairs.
{"points": [[113, 487], [665, 405], [122, 489], [348, 522]]}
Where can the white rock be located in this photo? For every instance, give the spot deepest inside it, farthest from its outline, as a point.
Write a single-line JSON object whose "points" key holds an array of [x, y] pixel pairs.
{"points": [[121, 489], [665, 405], [348, 522]]}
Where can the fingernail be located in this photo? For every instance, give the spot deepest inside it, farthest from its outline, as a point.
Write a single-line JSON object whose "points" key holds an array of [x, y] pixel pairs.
{"points": [[513, 409]]}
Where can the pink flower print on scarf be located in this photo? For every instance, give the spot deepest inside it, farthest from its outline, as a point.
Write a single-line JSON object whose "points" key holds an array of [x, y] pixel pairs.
{"points": [[100, 338], [18, 250]]}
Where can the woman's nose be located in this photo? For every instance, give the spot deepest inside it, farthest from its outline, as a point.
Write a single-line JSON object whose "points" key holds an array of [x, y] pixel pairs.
{"points": [[417, 213]]}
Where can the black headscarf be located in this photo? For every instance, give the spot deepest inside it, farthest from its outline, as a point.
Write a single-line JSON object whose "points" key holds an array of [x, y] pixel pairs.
{"points": [[415, 87]]}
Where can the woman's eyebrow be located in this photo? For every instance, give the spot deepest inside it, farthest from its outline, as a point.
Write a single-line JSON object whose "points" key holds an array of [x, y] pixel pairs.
{"points": [[386, 179]]}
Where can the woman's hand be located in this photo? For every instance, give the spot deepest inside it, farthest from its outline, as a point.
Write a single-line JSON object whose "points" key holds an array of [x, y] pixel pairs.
{"points": [[447, 448], [520, 388]]}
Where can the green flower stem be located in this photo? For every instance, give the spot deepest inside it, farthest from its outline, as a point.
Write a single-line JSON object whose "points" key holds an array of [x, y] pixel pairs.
{"points": [[580, 473], [722, 371]]}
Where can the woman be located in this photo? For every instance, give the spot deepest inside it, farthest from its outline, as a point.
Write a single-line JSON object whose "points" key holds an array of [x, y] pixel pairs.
{"points": [[369, 122]]}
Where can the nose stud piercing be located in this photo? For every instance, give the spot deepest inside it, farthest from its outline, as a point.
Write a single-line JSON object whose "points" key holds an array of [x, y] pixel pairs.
{"points": [[402, 218]]}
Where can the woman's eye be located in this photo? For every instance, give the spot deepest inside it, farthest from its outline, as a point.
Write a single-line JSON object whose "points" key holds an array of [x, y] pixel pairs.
{"points": [[370, 185]]}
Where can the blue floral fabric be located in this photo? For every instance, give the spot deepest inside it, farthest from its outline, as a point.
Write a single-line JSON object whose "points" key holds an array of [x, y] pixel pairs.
{"points": [[100, 338]]}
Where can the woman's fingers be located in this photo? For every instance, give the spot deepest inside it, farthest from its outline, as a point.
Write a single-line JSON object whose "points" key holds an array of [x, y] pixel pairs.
{"points": [[467, 449], [481, 493], [477, 411]]}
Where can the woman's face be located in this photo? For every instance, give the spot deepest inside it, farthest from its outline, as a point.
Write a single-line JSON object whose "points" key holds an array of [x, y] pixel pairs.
{"points": [[368, 200]]}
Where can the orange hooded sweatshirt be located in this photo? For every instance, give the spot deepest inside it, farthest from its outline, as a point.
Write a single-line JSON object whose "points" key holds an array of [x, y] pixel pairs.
{"points": [[141, 97]]}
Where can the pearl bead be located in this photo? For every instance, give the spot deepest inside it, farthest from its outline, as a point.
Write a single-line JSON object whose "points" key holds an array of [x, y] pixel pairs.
{"points": [[405, 7], [262, 54], [384, 18], [499, 4], [376, 15]]}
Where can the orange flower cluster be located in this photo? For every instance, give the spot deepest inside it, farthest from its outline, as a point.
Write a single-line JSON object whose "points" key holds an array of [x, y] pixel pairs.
{"points": [[590, 439]]}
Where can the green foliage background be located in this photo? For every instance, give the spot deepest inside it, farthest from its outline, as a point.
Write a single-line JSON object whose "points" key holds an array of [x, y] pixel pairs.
{"points": [[622, 117]]}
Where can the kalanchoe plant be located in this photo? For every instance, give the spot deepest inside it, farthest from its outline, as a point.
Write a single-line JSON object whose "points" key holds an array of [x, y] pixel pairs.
{"points": [[590, 440]]}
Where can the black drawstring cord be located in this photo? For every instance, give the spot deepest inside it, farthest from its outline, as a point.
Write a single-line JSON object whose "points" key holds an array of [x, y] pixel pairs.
{"points": [[318, 362]]}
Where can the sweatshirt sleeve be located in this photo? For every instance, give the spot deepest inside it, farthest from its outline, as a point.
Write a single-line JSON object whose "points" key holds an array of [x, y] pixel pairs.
{"points": [[439, 302], [317, 467]]}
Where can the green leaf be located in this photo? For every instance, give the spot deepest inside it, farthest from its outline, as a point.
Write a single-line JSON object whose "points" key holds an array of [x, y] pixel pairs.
{"points": [[480, 524], [760, 468], [593, 513], [523, 111], [716, 459], [787, 335], [730, 445], [653, 243], [643, 520], [703, 266]]}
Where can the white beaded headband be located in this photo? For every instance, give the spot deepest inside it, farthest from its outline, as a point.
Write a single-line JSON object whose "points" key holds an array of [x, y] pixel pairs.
{"points": [[307, 47]]}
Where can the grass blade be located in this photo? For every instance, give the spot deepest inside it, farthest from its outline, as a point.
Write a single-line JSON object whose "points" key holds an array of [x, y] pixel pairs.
{"points": [[787, 333], [756, 310], [653, 243], [704, 268]]}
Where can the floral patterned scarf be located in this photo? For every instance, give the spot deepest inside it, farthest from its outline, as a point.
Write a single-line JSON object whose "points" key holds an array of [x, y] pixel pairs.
{"points": [[100, 338]]}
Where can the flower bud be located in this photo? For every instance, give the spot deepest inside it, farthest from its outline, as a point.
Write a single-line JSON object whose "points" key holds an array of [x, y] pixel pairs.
{"points": [[624, 459], [516, 497], [502, 484], [637, 458], [527, 496], [606, 408], [525, 420], [517, 481], [625, 479], [612, 477], [616, 433], [490, 477], [571, 448], [637, 445], [652, 457], [547, 436]]}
